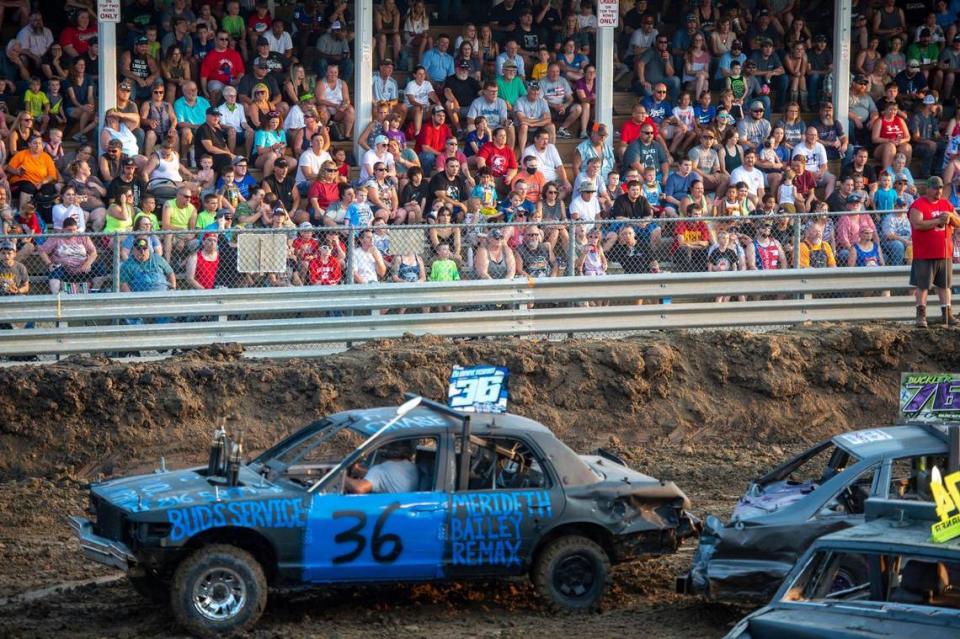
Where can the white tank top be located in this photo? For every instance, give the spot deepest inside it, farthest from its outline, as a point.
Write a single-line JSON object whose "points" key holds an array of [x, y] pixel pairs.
{"points": [[335, 94], [167, 169]]}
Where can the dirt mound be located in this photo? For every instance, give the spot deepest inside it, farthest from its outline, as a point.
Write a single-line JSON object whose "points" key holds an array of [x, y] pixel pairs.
{"points": [[86, 416]]}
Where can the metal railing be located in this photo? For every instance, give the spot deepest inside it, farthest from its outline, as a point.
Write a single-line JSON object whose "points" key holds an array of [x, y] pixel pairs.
{"points": [[285, 317]]}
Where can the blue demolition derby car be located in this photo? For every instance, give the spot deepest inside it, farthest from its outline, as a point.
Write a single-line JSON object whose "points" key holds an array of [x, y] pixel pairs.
{"points": [[419, 492]]}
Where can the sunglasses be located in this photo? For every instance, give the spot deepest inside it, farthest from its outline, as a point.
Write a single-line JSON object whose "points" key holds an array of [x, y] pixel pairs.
{"points": [[141, 246]]}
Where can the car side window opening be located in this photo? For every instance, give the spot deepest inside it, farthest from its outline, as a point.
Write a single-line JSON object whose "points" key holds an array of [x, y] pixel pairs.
{"points": [[875, 578], [502, 463], [816, 467], [910, 477], [852, 498], [398, 466]]}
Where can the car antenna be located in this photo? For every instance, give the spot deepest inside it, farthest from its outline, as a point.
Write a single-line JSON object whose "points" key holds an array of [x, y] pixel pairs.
{"points": [[402, 410]]}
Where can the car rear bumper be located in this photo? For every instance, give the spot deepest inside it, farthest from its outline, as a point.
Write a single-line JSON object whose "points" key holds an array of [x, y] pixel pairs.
{"points": [[100, 549]]}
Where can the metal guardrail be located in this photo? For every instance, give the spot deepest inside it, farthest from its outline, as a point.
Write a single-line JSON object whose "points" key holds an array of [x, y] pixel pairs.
{"points": [[317, 315]]}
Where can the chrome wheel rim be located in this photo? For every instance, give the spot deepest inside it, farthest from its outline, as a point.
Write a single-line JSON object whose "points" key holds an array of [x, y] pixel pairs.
{"points": [[219, 594]]}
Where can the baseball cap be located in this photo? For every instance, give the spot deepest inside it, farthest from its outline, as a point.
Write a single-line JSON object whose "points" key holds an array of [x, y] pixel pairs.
{"points": [[756, 105], [208, 236], [386, 62], [913, 64], [124, 85], [141, 243], [820, 37], [142, 40], [281, 163], [956, 38], [860, 79], [464, 64], [438, 109], [8, 245], [929, 99], [213, 111], [496, 234], [128, 162], [924, 33], [239, 160], [279, 207], [533, 86], [853, 197], [261, 64], [335, 26], [380, 139], [934, 182], [509, 64], [691, 18], [763, 12], [306, 226], [262, 40], [588, 187]]}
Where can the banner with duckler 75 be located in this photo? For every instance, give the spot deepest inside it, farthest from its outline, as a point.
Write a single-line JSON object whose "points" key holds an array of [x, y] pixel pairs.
{"points": [[930, 397]]}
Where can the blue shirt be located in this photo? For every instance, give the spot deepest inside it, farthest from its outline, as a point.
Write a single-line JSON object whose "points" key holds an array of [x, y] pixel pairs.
{"points": [[149, 275], [677, 186], [726, 60], [704, 116], [439, 66], [195, 115], [658, 111]]}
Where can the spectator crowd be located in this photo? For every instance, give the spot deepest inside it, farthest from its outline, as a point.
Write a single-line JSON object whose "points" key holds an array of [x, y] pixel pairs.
{"points": [[229, 117]]}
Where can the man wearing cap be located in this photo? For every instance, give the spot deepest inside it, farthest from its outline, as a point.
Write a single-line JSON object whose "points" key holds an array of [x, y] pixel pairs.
{"points": [[191, 111], [433, 134], [221, 67], [735, 54], [129, 176], [276, 63], [933, 222], [863, 110], [437, 62], [948, 66], [210, 139], [763, 28], [510, 86], [332, 47], [911, 83], [385, 89], [201, 266], [532, 113], [139, 68], [145, 270], [127, 111], [459, 91], [927, 141], [770, 71], [847, 231], [281, 183], [754, 130], [259, 77], [924, 51], [14, 278]]}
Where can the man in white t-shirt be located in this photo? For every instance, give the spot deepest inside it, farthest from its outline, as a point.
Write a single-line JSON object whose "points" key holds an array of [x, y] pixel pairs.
{"points": [[816, 154], [310, 163], [750, 175], [586, 206], [551, 165], [398, 474]]}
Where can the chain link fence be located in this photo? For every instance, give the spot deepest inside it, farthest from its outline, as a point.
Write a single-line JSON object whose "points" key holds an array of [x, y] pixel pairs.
{"points": [[74, 263]]}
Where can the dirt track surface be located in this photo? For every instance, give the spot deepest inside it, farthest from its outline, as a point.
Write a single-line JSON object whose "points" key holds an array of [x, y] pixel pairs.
{"points": [[708, 410]]}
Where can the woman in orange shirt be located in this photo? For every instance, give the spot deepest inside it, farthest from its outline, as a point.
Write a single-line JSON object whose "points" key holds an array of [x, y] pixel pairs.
{"points": [[32, 171]]}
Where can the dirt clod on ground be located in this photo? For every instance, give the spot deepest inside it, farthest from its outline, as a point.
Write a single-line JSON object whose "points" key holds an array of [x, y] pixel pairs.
{"points": [[708, 410]]}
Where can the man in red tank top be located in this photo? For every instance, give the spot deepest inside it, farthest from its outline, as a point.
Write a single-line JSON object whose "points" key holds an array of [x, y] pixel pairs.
{"points": [[201, 267], [933, 221]]}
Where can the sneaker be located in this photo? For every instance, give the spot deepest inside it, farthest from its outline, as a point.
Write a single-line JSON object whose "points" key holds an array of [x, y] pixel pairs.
{"points": [[583, 136], [563, 133]]}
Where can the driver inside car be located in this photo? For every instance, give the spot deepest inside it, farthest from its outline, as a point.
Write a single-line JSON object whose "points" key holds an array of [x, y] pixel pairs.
{"points": [[396, 474]]}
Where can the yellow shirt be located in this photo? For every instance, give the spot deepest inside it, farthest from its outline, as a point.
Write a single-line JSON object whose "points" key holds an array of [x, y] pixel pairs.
{"points": [[539, 71]]}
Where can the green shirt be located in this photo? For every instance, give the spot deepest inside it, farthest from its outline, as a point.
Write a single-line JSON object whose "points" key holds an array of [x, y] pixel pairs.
{"points": [[511, 91], [444, 271], [204, 219]]}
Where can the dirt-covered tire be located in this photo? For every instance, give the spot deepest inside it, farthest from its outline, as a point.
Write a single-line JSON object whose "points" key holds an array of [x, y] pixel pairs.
{"points": [[218, 591], [149, 586], [572, 574]]}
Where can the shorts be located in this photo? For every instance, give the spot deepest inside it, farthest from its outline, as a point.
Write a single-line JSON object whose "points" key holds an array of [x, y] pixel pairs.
{"points": [[931, 273], [644, 232]]}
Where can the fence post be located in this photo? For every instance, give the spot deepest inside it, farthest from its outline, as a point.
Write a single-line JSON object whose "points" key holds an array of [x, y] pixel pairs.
{"points": [[351, 240], [796, 241], [571, 248], [116, 261]]}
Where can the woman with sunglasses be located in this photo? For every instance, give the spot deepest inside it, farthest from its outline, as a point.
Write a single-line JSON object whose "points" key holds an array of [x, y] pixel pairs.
{"points": [[20, 132], [121, 212], [158, 119], [143, 228]]}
